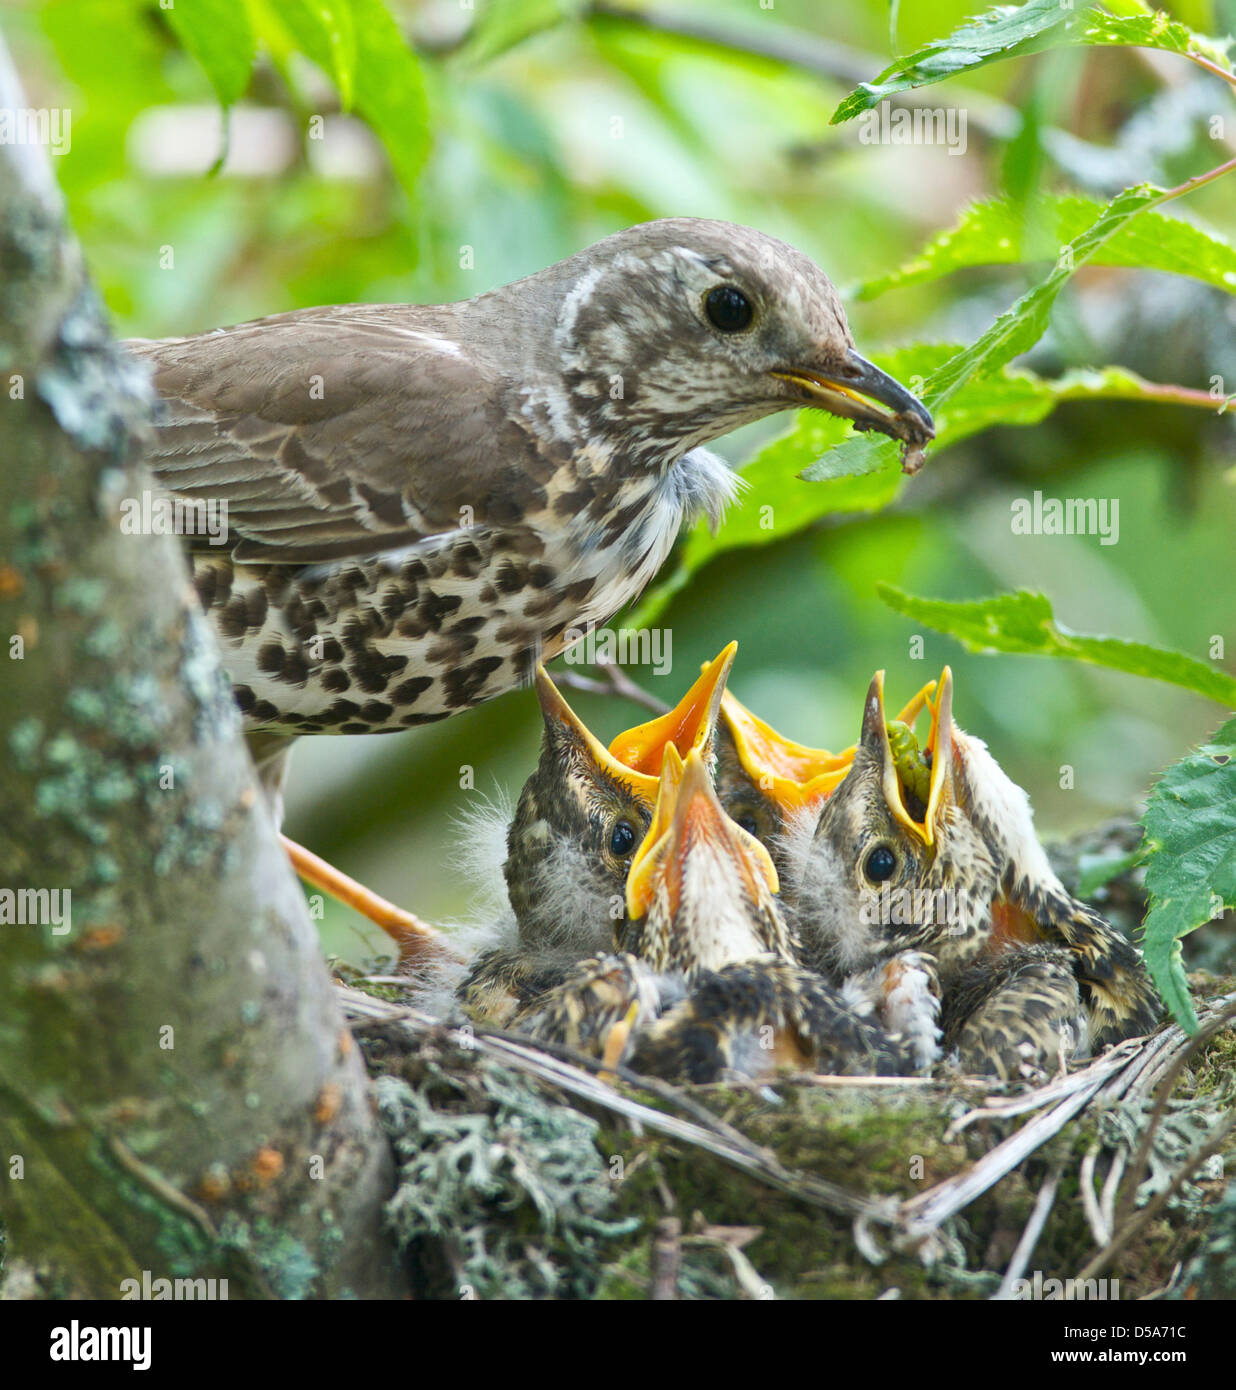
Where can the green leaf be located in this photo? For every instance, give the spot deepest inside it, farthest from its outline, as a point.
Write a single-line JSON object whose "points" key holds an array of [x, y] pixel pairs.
{"points": [[218, 34], [367, 53], [1000, 33], [996, 233], [1153, 29], [1023, 623], [1190, 848], [337, 44], [503, 24], [1012, 32], [1014, 332]]}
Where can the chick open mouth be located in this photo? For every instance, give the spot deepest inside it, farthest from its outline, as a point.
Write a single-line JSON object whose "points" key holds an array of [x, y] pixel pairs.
{"points": [[914, 774]]}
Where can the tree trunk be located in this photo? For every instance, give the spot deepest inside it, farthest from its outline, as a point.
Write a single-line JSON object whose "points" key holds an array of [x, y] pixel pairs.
{"points": [[178, 1093]]}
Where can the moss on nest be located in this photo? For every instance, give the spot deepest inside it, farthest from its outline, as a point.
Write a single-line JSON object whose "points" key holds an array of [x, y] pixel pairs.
{"points": [[510, 1189], [501, 1191]]}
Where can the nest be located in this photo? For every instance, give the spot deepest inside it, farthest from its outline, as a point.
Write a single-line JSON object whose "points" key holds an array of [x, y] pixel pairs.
{"points": [[523, 1173]]}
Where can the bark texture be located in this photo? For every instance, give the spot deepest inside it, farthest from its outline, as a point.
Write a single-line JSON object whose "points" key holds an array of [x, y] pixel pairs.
{"points": [[178, 1093]]}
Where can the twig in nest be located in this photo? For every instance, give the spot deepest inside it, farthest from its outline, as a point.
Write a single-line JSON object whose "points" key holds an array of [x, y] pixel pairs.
{"points": [[1043, 1204], [1099, 1228], [1141, 1159], [921, 1215], [1159, 1200], [666, 1259], [1005, 1107], [709, 1133]]}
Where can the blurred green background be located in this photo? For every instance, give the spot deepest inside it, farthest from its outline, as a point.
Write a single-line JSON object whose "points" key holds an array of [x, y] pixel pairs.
{"points": [[716, 109]]}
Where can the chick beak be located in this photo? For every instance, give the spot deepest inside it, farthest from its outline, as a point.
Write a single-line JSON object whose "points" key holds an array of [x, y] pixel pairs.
{"points": [[688, 725], [555, 710], [794, 776], [857, 390], [943, 749], [874, 737], [689, 817]]}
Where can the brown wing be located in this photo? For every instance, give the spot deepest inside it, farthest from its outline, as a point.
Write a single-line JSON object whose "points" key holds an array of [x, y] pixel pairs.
{"points": [[337, 432]]}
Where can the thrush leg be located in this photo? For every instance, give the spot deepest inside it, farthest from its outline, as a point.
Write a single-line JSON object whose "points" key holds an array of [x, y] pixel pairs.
{"points": [[506, 981], [1022, 1010], [417, 940], [904, 992]]}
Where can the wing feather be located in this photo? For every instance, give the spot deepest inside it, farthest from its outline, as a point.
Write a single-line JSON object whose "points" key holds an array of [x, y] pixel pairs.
{"points": [[338, 432]]}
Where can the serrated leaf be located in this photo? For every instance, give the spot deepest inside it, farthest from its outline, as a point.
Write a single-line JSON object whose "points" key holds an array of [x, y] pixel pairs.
{"points": [[218, 34], [1014, 332], [995, 232], [770, 509], [1013, 32], [1190, 825], [1153, 29], [1023, 623], [1000, 33]]}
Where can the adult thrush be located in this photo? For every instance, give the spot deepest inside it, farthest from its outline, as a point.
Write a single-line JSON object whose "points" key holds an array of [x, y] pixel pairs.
{"points": [[934, 850], [423, 502]]}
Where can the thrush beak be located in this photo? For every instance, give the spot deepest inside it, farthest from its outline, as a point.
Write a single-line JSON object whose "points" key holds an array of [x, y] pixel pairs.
{"points": [[857, 390], [688, 816], [555, 708], [791, 774], [688, 725]]}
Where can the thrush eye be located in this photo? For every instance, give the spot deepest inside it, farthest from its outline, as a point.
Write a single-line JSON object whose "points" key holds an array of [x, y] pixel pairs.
{"points": [[622, 839], [746, 820], [880, 864], [728, 309]]}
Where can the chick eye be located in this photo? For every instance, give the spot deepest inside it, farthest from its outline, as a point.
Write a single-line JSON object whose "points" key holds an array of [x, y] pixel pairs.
{"points": [[728, 309], [622, 839], [746, 820], [880, 864]]}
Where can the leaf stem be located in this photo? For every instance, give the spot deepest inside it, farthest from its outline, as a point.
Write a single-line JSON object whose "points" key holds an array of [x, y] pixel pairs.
{"points": [[1197, 58], [1198, 180]]}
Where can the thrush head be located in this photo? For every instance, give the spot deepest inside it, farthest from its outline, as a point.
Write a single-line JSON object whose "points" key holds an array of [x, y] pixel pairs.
{"points": [[668, 334], [934, 848]]}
